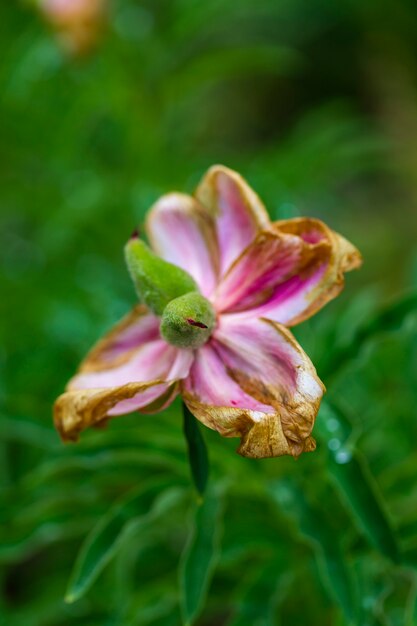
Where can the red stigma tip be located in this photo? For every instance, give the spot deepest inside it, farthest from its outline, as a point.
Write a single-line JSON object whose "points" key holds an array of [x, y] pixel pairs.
{"points": [[194, 323], [135, 234]]}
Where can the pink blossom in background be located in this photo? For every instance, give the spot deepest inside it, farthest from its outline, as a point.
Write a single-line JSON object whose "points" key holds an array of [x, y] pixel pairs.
{"points": [[77, 22]]}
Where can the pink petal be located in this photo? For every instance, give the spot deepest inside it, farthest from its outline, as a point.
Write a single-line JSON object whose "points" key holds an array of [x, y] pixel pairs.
{"points": [[180, 364], [238, 211], [290, 300], [268, 262], [142, 400], [136, 329], [320, 281], [255, 382], [205, 234], [267, 352], [210, 381], [154, 361], [182, 233], [288, 273], [130, 369]]}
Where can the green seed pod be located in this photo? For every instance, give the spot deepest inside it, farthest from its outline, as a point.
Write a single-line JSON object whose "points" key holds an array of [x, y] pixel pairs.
{"points": [[157, 282], [188, 321]]}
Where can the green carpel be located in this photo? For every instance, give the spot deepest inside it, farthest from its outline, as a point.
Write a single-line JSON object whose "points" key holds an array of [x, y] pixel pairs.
{"points": [[188, 321], [157, 282]]}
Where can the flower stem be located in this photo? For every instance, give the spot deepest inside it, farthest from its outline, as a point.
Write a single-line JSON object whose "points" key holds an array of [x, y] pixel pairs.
{"points": [[197, 451]]}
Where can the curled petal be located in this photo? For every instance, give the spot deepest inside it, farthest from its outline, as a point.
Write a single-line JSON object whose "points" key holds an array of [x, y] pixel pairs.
{"points": [[237, 210], [76, 410], [307, 295], [288, 273], [138, 327], [130, 369], [260, 432], [206, 233], [183, 233], [346, 256], [267, 263], [218, 401], [254, 381]]}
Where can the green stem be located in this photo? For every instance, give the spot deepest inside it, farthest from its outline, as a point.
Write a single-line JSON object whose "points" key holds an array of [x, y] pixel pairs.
{"points": [[197, 451]]}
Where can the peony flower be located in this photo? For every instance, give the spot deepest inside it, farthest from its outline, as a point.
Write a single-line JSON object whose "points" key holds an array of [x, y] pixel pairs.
{"points": [[213, 325]]}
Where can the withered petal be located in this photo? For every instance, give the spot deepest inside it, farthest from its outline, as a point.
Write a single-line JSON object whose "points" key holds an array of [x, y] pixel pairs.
{"points": [[117, 346], [255, 382], [182, 232], [287, 273], [262, 273], [76, 410], [130, 369], [238, 212], [261, 434], [343, 257]]}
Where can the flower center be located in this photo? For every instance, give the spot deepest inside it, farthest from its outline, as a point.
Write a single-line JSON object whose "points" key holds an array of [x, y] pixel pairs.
{"points": [[188, 321]]}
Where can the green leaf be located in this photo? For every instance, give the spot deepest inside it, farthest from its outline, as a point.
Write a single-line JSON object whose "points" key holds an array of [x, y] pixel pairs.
{"points": [[197, 451], [29, 433], [105, 461], [388, 319], [326, 543], [391, 317], [378, 591], [120, 523], [201, 554], [411, 607], [349, 471], [259, 595]]}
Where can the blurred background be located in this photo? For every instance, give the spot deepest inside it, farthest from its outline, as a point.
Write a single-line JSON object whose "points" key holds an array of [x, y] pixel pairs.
{"points": [[104, 107]]}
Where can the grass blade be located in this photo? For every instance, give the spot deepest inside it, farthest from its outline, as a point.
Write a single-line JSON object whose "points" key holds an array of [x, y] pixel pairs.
{"points": [[201, 554], [388, 319], [259, 596], [197, 451], [333, 567], [113, 528], [349, 471]]}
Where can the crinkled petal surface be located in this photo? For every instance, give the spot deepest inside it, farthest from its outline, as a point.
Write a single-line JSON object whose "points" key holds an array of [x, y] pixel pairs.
{"points": [[206, 233], [238, 212], [130, 369], [253, 380], [287, 273], [181, 232]]}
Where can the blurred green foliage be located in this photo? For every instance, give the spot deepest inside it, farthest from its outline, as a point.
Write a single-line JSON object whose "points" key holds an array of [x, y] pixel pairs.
{"points": [[315, 102]]}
